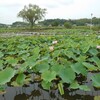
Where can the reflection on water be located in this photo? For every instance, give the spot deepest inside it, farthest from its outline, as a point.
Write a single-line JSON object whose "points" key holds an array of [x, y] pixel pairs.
{"points": [[35, 92]]}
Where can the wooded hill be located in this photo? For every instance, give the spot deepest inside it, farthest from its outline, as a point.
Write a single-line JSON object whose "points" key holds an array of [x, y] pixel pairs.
{"points": [[77, 22]]}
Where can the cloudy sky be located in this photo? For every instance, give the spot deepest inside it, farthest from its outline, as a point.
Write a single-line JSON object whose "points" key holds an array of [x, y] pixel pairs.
{"points": [[67, 9]]}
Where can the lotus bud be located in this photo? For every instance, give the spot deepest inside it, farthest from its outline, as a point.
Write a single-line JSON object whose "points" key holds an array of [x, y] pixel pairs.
{"points": [[54, 42], [51, 48], [98, 47]]}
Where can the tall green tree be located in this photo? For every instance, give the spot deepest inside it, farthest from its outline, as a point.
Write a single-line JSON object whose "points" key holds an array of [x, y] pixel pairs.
{"points": [[32, 13], [54, 23], [68, 25]]}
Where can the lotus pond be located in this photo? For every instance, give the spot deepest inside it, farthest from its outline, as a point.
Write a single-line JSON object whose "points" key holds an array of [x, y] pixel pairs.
{"points": [[61, 67]]}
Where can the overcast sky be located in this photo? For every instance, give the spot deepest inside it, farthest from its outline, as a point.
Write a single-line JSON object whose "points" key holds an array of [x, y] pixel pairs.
{"points": [[67, 9]]}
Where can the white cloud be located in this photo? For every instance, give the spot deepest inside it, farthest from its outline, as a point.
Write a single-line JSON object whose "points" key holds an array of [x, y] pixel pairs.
{"points": [[56, 8]]}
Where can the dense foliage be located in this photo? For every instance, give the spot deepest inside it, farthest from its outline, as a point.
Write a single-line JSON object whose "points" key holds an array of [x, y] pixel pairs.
{"points": [[2, 25], [55, 60], [20, 24], [67, 25], [32, 13], [78, 22]]}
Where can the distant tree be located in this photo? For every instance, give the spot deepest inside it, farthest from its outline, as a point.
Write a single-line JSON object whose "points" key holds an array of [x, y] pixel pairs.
{"points": [[2, 25], [77, 22], [19, 24], [67, 25], [32, 13], [54, 23]]}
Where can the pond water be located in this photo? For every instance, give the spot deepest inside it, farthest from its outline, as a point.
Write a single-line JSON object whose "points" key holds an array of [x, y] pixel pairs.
{"points": [[35, 92]]}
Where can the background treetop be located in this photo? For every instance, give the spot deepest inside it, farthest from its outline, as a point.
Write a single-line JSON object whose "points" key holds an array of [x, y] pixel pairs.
{"points": [[32, 13]]}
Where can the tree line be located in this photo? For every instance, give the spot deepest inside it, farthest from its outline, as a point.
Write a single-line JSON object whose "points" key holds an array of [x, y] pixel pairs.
{"points": [[77, 22], [33, 14]]}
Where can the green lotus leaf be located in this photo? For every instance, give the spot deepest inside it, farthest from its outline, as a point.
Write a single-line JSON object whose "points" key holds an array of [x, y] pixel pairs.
{"points": [[20, 79], [85, 47], [18, 82], [42, 67], [84, 88], [30, 61], [96, 60], [77, 51], [36, 51], [1, 54], [79, 68], [23, 67], [1, 64], [93, 51], [23, 46], [6, 75], [22, 52], [90, 67], [69, 54], [11, 52], [24, 56], [56, 67], [48, 75], [55, 53], [96, 80], [74, 85], [32, 64], [67, 75], [81, 58], [12, 61], [46, 85]]}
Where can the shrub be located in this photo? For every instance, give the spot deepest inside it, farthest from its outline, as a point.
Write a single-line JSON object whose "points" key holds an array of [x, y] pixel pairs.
{"points": [[67, 25]]}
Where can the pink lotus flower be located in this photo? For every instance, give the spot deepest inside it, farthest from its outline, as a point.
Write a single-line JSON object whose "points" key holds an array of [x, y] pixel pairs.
{"points": [[55, 42], [51, 48], [98, 47]]}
